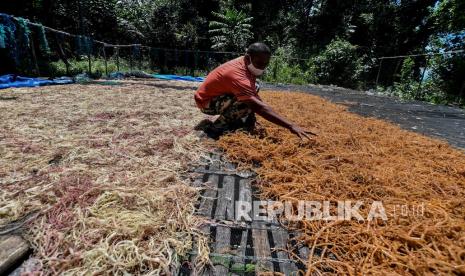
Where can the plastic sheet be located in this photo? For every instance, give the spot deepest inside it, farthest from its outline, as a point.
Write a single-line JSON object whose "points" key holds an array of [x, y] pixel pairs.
{"points": [[181, 78], [9, 81]]}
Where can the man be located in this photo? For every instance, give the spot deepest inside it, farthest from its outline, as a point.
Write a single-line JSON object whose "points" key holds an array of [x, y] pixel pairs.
{"points": [[230, 91]]}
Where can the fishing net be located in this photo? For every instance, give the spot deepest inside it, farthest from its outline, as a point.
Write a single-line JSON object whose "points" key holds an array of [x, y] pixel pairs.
{"points": [[136, 51], [43, 43], [84, 45], [3, 37], [8, 35], [23, 33], [105, 167], [357, 158]]}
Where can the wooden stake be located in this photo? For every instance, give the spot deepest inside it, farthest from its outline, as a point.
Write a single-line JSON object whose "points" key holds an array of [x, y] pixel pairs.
{"points": [[117, 58], [34, 57], [89, 57], [140, 58], [131, 52], [105, 57], [379, 71], [61, 53], [461, 94], [420, 94]]}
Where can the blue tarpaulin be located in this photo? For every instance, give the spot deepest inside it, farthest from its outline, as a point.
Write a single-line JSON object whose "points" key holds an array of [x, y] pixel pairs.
{"points": [[182, 78], [8, 81]]}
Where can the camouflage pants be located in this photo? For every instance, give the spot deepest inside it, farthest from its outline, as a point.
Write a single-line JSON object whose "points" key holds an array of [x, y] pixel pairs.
{"points": [[233, 114]]}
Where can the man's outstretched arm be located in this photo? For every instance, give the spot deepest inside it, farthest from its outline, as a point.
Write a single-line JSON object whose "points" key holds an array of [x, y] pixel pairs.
{"points": [[264, 110]]}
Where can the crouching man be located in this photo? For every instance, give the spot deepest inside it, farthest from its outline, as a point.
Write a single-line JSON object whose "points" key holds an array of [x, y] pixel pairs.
{"points": [[231, 91]]}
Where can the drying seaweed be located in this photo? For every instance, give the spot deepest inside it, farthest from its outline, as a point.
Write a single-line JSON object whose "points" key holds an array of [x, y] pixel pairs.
{"points": [[106, 170], [357, 158]]}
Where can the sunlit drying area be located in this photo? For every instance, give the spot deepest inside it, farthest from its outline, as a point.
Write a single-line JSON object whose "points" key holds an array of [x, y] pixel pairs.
{"points": [[111, 177]]}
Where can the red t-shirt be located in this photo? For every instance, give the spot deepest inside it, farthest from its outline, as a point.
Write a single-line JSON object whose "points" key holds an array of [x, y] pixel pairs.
{"points": [[233, 77]]}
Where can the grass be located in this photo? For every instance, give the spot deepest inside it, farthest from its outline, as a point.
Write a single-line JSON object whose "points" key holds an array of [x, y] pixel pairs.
{"points": [[79, 66]]}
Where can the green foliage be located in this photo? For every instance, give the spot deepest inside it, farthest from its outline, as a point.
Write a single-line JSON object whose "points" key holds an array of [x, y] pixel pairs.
{"points": [[432, 93], [407, 87], [441, 86], [448, 74], [134, 15], [79, 66], [82, 66], [240, 268], [175, 24], [284, 69], [330, 39], [220, 260], [448, 71], [337, 64], [449, 15], [407, 70], [231, 31]]}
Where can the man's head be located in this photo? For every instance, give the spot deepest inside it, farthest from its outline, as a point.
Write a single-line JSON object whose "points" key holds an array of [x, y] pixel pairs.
{"points": [[257, 58]]}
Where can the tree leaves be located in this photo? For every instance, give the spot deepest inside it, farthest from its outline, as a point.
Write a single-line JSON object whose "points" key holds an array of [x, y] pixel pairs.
{"points": [[232, 31]]}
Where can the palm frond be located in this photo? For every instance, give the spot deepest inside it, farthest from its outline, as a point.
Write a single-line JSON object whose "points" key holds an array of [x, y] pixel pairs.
{"points": [[231, 30]]}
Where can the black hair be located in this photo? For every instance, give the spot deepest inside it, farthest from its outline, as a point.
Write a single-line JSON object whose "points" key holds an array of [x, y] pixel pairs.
{"points": [[258, 48]]}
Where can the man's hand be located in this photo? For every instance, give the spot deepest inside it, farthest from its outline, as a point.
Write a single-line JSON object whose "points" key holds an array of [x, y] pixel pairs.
{"points": [[301, 132], [269, 114]]}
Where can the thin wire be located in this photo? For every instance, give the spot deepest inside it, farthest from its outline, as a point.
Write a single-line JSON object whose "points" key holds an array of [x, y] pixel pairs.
{"points": [[105, 44], [424, 54]]}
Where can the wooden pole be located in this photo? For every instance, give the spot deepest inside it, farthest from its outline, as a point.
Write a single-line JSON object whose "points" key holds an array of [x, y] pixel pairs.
{"points": [[461, 94], [186, 61], [34, 57], [90, 63], [130, 58], [152, 60], [106, 63], [379, 72], [117, 58], [420, 94], [395, 71], [164, 61], [275, 70], [61, 53], [140, 58], [176, 60], [196, 61], [89, 57]]}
